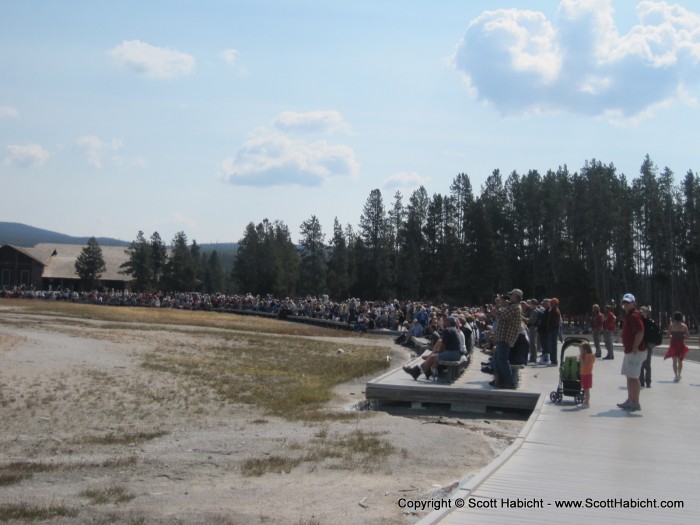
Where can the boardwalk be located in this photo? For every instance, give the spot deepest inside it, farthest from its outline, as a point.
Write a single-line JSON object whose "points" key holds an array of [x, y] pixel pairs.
{"points": [[601, 456]]}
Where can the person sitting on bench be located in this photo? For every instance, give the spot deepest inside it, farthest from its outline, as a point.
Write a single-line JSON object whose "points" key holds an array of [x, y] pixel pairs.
{"points": [[446, 349]]}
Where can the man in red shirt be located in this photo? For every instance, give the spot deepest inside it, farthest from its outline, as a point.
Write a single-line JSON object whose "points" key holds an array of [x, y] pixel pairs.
{"points": [[635, 352]]}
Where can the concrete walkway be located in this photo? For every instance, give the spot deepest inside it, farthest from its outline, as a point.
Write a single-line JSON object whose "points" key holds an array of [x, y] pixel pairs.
{"points": [[621, 467]]}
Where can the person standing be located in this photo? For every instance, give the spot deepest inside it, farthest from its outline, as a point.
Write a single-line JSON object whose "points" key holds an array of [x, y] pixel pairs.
{"points": [[587, 359], [532, 318], [635, 351], [677, 348], [510, 324], [542, 319], [652, 337], [608, 329], [553, 327], [598, 321]]}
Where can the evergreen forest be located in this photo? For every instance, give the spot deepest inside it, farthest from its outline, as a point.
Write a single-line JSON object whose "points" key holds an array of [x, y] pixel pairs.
{"points": [[585, 237]]}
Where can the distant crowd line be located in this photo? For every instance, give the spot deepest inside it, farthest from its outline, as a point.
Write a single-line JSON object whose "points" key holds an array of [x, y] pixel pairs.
{"points": [[364, 315]]}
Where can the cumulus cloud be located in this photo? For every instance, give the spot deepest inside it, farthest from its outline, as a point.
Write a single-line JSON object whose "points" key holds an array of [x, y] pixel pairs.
{"points": [[326, 122], [8, 112], [405, 182], [152, 61], [520, 62], [231, 58], [274, 159], [95, 148], [25, 155]]}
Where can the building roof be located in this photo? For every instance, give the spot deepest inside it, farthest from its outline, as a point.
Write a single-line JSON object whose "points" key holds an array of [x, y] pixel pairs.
{"points": [[59, 260]]}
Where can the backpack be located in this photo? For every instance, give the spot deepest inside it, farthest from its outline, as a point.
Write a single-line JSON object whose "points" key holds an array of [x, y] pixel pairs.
{"points": [[652, 332]]}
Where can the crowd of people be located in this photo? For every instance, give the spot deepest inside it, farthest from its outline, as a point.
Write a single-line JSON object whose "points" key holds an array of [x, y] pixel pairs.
{"points": [[512, 330]]}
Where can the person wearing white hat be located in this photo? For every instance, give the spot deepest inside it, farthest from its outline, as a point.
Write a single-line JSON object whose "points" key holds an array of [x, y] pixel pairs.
{"points": [[635, 352]]}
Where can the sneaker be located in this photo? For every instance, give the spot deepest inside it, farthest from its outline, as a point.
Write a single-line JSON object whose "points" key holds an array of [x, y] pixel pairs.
{"points": [[583, 405], [626, 404], [413, 372], [676, 379], [544, 360], [641, 385], [648, 385], [634, 407]]}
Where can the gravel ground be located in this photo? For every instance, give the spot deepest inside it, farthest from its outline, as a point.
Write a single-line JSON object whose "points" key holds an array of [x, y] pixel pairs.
{"points": [[89, 430]]}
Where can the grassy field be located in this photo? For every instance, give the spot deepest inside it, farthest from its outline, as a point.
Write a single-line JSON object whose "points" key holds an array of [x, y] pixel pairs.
{"points": [[264, 362], [157, 316]]}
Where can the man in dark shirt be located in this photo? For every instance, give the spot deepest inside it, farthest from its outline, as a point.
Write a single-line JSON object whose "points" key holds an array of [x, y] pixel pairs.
{"points": [[448, 348]]}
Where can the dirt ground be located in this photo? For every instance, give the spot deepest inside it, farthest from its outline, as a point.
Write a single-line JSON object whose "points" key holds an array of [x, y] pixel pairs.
{"points": [[88, 429]]}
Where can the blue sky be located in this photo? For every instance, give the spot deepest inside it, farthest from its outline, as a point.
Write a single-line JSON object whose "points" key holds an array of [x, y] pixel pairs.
{"points": [[203, 116]]}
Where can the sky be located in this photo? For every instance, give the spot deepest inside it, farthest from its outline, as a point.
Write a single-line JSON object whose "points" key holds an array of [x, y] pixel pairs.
{"points": [[204, 116]]}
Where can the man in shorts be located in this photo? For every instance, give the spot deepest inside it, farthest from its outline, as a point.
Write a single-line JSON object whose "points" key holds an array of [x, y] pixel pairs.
{"points": [[635, 352]]}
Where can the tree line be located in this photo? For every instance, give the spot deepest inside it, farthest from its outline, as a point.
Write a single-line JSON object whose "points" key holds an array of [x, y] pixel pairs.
{"points": [[585, 237]]}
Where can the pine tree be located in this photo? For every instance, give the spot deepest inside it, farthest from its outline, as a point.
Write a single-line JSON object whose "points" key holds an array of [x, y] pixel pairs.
{"points": [[139, 264], [159, 256], [373, 270], [338, 263], [312, 252], [179, 269], [90, 264]]}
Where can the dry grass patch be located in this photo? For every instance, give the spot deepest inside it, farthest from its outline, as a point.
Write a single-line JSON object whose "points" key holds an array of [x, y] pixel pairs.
{"points": [[26, 512], [355, 450], [17, 471], [286, 376], [122, 439], [129, 315], [112, 494]]}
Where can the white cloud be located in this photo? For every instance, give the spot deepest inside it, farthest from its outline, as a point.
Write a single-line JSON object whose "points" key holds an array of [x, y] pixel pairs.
{"points": [[130, 162], [405, 182], [273, 159], [231, 57], [25, 156], [8, 112], [94, 148], [152, 61], [520, 62], [326, 122]]}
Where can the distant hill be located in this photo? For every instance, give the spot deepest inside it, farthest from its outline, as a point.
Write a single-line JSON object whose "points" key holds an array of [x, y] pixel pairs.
{"points": [[19, 234], [22, 235]]}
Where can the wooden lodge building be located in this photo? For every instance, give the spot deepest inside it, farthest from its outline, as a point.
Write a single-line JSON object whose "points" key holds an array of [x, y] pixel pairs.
{"points": [[52, 267]]}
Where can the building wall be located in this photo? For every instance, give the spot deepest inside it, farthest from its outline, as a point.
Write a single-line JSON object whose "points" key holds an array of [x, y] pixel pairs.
{"points": [[18, 269]]}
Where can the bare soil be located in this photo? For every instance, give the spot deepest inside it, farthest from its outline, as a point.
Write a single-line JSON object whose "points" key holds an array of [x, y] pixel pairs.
{"points": [[87, 428]]}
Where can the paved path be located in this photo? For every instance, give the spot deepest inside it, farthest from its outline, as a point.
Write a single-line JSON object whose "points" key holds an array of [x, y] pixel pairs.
{"points": [[605, 455]]}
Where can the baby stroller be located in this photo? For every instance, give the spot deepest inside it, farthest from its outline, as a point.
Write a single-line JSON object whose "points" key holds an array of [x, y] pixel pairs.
{"points": [[569, 373]]}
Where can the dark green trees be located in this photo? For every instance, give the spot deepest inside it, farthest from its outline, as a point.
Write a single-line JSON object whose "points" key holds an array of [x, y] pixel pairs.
{"points": [[585, 237], [139, 265], [90, 264], [267, 261], [312, 252]]}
